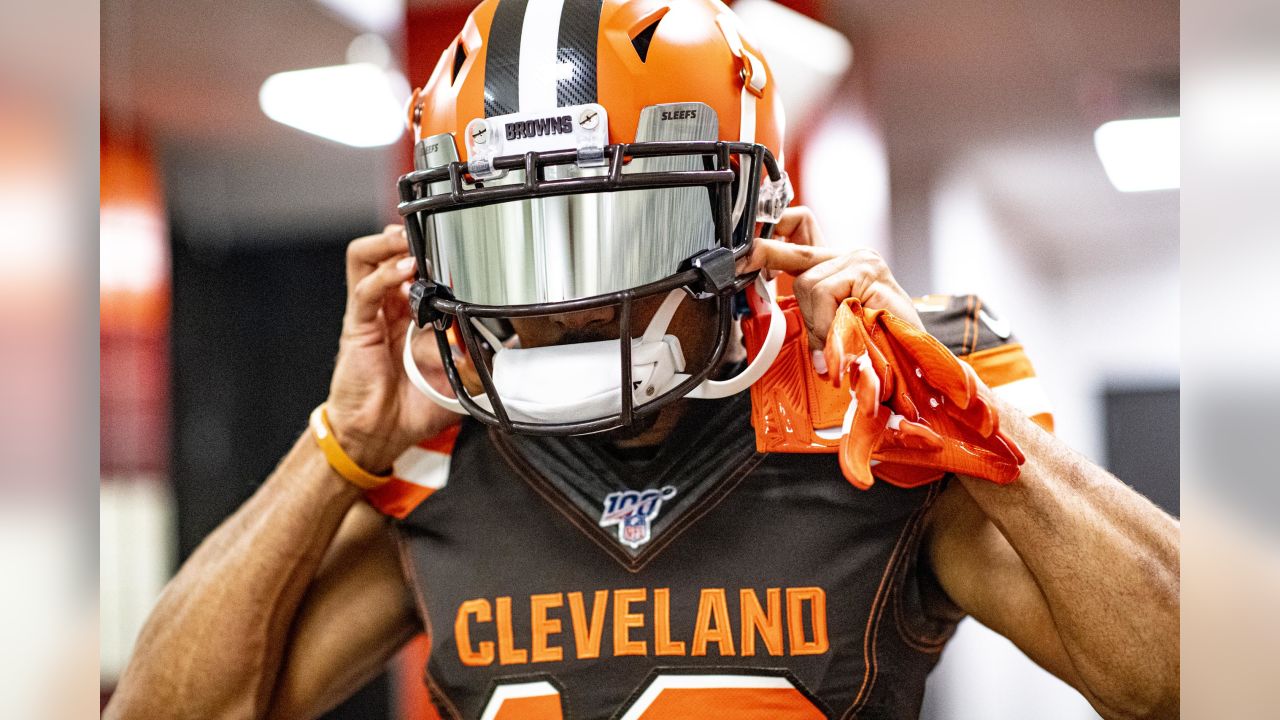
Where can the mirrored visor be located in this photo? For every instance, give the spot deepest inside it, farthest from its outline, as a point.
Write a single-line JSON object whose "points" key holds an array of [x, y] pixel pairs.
{"points": [[552, 249]]}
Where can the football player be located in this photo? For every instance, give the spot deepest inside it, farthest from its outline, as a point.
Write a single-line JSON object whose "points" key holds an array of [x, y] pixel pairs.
{"points": [[538, 450]]}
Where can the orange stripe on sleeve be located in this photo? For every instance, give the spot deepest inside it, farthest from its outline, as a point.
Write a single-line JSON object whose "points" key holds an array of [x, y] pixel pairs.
{"points": [[397, 497], [443, 442], [1002, 364], [1007, 364], [420, 471]]}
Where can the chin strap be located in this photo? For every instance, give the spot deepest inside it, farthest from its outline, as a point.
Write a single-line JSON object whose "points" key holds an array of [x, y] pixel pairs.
{"points": [[662, 318], [420, 382], [714, 389]]}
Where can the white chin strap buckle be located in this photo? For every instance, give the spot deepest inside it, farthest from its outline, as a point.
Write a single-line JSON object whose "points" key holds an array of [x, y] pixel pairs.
{"points": [[570, 383], [581, 381]]}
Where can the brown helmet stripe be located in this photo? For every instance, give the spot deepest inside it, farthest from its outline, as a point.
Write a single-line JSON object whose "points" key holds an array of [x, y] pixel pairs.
{"points": [[579, 30], [502, 59]]}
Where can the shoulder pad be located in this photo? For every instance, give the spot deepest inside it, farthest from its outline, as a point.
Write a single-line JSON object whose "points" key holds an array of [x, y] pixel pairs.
{"points": [[978, 335], [964, 323]]}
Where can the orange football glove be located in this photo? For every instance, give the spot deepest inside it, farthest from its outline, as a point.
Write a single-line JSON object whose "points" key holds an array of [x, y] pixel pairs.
{"points": [[917, 412], [896, 404]]}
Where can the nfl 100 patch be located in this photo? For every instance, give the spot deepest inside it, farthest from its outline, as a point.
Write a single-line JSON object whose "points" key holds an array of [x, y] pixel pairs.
{"points": [[634, 511]]}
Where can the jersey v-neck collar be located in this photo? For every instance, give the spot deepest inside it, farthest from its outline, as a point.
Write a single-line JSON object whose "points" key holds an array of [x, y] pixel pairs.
{"points": [[710, 450]]}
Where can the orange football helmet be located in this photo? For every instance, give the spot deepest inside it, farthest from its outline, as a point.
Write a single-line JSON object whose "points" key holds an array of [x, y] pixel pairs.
{"points": [[572, 154]]}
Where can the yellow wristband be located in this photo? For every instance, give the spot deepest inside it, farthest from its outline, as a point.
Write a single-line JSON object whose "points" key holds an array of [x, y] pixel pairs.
{"points": [[337, 457]]}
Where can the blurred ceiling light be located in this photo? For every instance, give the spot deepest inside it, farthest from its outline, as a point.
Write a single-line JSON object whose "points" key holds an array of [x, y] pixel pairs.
{"points": [[369, 48], [808, 59], [1140, 154], [358, 104], [380, 16]]}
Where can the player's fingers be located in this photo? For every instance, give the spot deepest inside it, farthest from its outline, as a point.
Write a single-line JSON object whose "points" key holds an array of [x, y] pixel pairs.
{"points": [[798, 226], [820, 296], [366, 253], [367, 297], [803, 289], [861, 274], [880, 290], [785, 257], [395, 305]]}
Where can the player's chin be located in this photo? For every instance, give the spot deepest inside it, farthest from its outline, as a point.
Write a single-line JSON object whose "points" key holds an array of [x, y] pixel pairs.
{"points": [[636, 432]]}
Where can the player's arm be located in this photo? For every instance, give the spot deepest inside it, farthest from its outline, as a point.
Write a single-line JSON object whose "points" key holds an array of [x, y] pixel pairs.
{"points": [[1073, 566], [278, 610], [298, 597], [1076, 568], [356, 615]]}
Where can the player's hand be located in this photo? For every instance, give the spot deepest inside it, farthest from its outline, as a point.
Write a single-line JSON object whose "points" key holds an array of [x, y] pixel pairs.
{"points": [[825, 277], [375, 412]]}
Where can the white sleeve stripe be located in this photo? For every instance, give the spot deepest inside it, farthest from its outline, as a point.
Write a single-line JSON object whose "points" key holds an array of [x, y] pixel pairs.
{"points": [[422, 467], [1027, 395]]}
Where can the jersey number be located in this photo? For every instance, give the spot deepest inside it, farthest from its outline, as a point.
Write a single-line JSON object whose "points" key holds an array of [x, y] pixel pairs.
{"points": [[670, 697]]}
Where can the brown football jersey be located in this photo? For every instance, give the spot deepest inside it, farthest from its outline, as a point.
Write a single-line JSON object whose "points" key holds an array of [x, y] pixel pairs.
{"points": [[564, 578]]}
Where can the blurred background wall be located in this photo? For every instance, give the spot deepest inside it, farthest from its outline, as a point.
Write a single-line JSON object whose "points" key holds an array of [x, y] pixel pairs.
{"points": [[955, 136]]}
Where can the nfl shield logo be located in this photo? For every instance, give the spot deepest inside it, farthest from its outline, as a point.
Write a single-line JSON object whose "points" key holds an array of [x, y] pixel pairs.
{"points": [[635, 530], [633, 511]]}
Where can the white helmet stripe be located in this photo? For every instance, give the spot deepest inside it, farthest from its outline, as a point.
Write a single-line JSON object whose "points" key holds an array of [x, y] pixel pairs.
{"points": [[539, 45]]}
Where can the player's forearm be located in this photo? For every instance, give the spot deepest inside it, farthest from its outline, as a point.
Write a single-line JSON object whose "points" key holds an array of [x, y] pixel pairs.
{"points": [[214, 643], [1107, 561]]}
